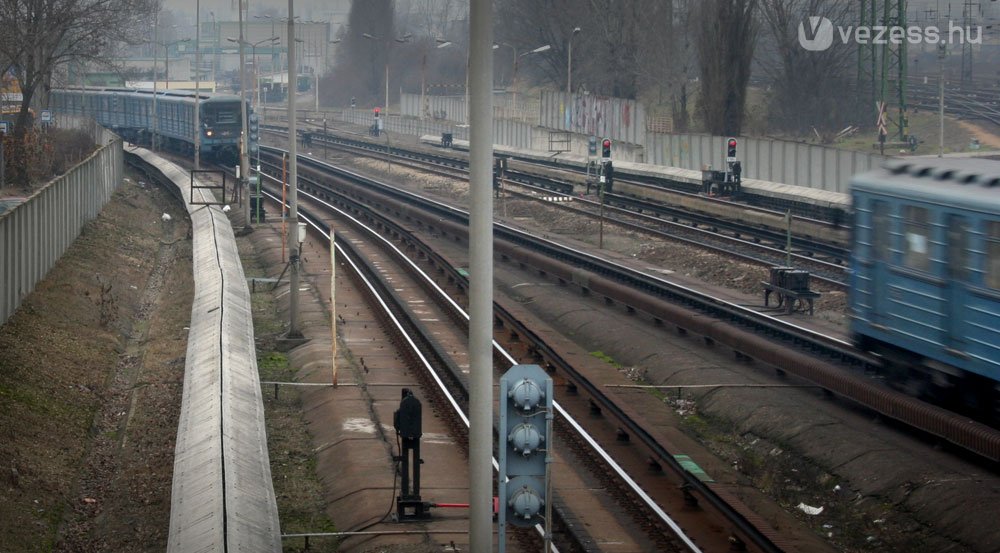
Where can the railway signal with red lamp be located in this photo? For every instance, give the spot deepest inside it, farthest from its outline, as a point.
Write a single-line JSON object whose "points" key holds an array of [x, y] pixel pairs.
{"points": [[731, 149], [606, 148]]}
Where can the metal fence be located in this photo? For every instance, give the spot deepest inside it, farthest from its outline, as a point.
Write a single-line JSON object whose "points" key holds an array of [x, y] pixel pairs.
{"points": [[580, 116], [35, 233], [801, 164]]}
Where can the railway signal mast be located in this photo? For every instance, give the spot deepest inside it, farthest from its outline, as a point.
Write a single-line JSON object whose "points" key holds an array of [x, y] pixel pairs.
{"points": [[526, 453]]}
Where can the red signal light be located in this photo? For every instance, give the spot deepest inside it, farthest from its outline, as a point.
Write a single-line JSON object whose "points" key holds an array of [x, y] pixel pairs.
{"points": [[732, 142]]}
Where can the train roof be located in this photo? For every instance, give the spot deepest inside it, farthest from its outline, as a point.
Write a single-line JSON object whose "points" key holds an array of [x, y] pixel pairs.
{"points": [[971, 183], [160, 93]]}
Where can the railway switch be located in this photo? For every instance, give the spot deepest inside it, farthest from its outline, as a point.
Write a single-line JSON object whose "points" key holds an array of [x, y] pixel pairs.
{"points": [[525, 457]]}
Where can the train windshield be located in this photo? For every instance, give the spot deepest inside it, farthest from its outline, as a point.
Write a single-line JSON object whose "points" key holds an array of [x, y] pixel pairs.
{"points": [[222, 115]]}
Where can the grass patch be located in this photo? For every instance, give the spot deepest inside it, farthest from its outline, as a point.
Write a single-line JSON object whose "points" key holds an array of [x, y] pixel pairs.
{"points": [[606, 358]]}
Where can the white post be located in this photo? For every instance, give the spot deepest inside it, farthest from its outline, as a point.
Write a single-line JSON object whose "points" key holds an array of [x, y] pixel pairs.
{"points": [[333, 306], [156, 119], [197, 85], [481, 278], [244, 145], [293, 208]]}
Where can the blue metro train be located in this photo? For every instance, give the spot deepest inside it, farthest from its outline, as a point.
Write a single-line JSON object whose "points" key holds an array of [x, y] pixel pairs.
{"points": [[925, 281], [129, 113]]}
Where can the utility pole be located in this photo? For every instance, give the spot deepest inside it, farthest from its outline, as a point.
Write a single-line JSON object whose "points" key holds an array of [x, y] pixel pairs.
{"points": [[942, 54], [156, 118], [882, 66], [197, 85], [244, 161], [293, 208], [481, 278], [967, 21]]}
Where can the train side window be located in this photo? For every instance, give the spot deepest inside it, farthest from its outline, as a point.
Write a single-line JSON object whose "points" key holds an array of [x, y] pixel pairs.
{"points": [[993, 255], [916, 238], [958, 248], [880, 230]]}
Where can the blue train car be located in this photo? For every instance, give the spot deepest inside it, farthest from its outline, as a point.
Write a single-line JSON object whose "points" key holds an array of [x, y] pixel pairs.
{"points": [[129, 112], [925, 282]]}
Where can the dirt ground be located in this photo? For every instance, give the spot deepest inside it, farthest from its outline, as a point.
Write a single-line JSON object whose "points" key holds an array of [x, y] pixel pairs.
{"points": [[91, 367]]}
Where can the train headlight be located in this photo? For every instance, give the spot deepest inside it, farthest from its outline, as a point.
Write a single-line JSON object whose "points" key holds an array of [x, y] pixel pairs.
{"points": [[208, 132]]}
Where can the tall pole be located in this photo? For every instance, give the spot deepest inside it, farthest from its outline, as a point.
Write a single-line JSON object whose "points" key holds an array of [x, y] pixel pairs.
{"points": [[156, 115], [215, 50], [423, 84], [569, 65], [941, 56], [197, 85], [333, 305], [481, 278], [244, 161], [166, 66], [569, 69], [387, 82], [293, 209]]}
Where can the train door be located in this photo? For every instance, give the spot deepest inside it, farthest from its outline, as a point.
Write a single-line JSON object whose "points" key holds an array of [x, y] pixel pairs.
{"points": [[956, 280], [880, 255]]}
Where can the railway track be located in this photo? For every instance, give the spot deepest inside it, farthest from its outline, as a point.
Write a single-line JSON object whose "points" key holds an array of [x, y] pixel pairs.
{"points": [[833, 364], [753, 244], [424, 343]]}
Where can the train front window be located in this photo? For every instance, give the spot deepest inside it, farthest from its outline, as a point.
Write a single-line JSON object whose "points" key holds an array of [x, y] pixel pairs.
{"points": [[916, 243], [223, 117], [993, 255]]}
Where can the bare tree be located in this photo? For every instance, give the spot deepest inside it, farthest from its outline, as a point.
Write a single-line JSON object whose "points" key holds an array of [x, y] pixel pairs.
{"points": [[44, 34], [807, 87], [725, 40], [606, 52], [365, 59]]}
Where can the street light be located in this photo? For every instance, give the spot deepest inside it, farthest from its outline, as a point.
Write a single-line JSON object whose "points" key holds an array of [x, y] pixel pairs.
{"points": [[404, 38], [513, 81], [273, 34], [423, 73], [444, 44], [253, 54], [215, 49], [166, 59], [569, 64], [316, 77]]}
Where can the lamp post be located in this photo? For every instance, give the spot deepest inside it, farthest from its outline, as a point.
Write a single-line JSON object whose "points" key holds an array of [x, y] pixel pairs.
{"points": [[569, 63], [423, 73], [273, 34], [215, 48], [197, 85], [156, 118], [166, 59], [513, 81], [253, 55], [444, 44], [512, 48], [404, 38], [298, 62], [316, 78], [942, 54]]}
